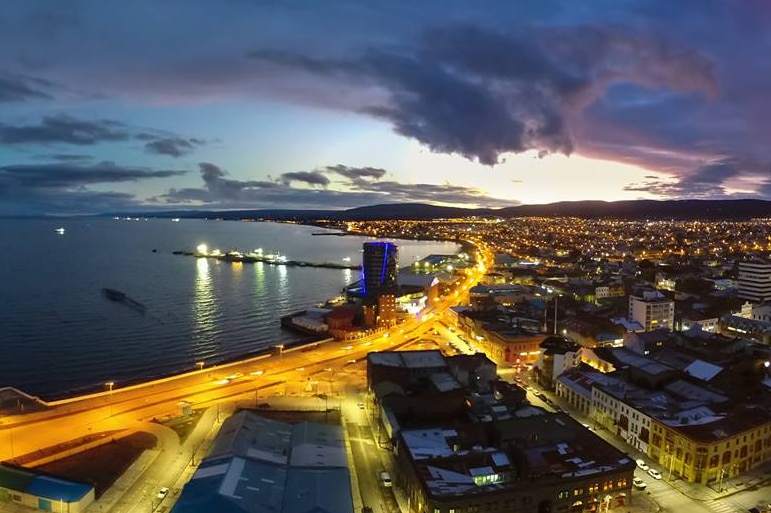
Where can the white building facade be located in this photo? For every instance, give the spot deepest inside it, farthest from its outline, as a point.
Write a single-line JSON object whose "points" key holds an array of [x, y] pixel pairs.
{"points": [[755, 280], [652, 311]]}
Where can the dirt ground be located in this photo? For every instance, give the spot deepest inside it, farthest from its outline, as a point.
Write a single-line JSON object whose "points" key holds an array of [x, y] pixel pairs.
{"points": [[103, 465]]}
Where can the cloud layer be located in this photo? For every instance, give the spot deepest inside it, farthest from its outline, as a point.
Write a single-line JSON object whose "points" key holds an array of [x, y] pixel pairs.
{"points": [[645, 82]]}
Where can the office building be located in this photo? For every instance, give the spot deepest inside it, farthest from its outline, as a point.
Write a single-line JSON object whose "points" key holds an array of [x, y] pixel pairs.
{"points": [[652, 310], [378, 267], [755, 280]]}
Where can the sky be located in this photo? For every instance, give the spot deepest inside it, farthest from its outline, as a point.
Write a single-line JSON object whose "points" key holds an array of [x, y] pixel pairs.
{"points": [[153, 105]]}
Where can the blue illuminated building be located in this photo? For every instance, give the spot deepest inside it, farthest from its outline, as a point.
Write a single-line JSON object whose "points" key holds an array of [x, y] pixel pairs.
{"points": [[378, 268]]}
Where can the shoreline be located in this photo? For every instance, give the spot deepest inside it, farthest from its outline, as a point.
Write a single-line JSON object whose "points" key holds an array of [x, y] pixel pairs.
{"points": [[298, 341], [97, 388]]}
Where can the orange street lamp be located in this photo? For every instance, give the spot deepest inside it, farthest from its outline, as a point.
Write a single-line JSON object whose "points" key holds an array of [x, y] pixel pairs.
{"points": [[109, 386]]}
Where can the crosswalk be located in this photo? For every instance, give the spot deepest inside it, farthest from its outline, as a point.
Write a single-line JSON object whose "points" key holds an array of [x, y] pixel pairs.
{"points": [[725, 505]]}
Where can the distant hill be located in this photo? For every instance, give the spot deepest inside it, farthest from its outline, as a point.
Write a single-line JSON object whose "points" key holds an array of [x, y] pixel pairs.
{"points": [[636, 209], [647, 209]]}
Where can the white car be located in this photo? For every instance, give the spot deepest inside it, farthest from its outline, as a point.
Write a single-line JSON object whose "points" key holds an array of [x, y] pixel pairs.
{"points": [[639, 483], [655, 474], [642, 465], [162, 493]]}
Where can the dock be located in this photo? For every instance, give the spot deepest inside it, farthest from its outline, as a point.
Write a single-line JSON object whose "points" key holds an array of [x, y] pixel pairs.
{"points": [[251, 258]]}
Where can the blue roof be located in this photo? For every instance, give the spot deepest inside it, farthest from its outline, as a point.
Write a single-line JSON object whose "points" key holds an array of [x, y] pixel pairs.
{"points": [[57, 489]]}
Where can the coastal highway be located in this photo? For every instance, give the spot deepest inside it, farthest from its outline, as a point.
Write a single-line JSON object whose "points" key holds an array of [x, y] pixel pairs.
{"points": [[128, 409]]}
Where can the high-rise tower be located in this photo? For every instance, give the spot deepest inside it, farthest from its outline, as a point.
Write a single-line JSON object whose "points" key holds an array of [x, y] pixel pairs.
{"points": [[378, 267], [755, 280]]}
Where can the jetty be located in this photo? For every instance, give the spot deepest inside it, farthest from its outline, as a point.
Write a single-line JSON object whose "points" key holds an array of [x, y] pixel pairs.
{"points": [[267, 258]]}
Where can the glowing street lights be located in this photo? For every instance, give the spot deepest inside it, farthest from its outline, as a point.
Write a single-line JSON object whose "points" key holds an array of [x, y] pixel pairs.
{"points": [[200, 364]]}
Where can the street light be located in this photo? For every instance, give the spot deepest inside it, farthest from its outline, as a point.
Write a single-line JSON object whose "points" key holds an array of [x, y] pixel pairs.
{"points": [[109, 385], [280, 348], [200, 364]]}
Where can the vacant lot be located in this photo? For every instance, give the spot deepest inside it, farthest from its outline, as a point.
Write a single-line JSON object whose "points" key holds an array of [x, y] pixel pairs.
{"points": [[103, 465]]}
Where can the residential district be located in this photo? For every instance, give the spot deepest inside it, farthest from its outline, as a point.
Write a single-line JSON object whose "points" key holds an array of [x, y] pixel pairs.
{"points": [[553, 365]]}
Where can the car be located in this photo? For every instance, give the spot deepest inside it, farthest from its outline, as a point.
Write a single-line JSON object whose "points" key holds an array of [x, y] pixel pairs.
{"points": [[361, 405], [385, 478], [162, 493], [638, 483], [655, 474], [642, 465]]}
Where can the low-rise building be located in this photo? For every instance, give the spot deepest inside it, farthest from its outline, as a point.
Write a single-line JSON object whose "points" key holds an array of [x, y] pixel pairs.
{"points": [[541, 463], [258, 465], [43, 492]]}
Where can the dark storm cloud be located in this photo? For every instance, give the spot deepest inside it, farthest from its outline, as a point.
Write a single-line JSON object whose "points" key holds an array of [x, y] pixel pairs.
{"points": [[308, 177], [664, 84], [173, 146], [74, 175], [356, 173], [481, 93], [706, 182], [225, 193], [221, 188], [62, 188], [15, 88], [65, 129]]}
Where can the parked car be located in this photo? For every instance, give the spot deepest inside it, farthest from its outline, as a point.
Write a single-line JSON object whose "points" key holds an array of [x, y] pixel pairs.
{"points": [[655, 474], [639, 483], [162, 493], [385, 478], [642, 465]]}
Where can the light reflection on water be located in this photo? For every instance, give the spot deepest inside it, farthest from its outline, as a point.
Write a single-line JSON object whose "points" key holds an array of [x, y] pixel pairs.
{"points": [[59, 333], [204, 310]]}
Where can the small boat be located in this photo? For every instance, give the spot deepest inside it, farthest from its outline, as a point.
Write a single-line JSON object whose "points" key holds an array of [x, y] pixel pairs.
{"points": [[60, 231]]}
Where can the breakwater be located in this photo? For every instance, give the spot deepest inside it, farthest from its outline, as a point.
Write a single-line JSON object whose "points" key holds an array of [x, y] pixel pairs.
{"points": [[251, 258]]}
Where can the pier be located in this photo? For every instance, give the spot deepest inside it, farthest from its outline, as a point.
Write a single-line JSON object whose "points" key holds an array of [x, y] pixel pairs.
{"points": [[272, 259]]}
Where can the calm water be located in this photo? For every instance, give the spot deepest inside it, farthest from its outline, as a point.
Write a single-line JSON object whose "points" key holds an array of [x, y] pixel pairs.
{"points": [[59, 334]]}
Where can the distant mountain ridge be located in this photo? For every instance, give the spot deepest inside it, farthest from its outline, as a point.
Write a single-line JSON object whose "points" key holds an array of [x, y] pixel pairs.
{"points": [[629, 210]]}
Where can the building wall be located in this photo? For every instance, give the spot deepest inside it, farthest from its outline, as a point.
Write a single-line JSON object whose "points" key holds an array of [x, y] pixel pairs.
{"points": [[575, 397], [379, 266], [43, 504], [652, 314], [621, 419], [754, 281], [529, 497], [710, 462]]}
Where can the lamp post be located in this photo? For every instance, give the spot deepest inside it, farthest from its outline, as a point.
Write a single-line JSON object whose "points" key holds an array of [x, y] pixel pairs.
{"points": [[720, 482], [200, 364], [109, 386], [280, 348]]}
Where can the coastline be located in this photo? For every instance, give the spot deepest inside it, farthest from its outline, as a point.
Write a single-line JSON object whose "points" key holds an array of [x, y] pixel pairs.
{"points": [[124, 355]]}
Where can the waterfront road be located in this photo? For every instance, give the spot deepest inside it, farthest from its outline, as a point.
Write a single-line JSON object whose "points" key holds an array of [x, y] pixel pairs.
{"points": [[120, 410]]}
